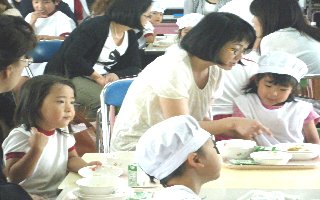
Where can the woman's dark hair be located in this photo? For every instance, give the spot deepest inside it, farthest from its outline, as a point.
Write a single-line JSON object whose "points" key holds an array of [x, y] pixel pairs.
{"points": [[128, 12], [274, 15], [179, 171], [16, 38], [32, 95], [277, 79], [207, 38]]}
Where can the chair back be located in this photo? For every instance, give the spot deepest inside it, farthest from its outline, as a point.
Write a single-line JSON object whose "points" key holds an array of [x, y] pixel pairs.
{"points": [[44, 50], [111, 97]]}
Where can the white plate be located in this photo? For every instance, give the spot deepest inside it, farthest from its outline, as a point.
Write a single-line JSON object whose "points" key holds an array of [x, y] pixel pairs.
{"points": [[115, 196], [104, 170], [300, 151]]}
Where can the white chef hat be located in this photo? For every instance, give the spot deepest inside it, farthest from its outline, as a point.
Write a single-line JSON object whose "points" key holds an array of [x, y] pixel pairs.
{"points": [[189, 20], [165, 146], [157, 7], [282, 63]]}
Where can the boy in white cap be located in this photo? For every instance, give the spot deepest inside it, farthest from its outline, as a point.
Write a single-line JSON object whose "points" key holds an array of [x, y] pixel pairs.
{"points": [[180, 154], [187, 22], [270, 98], [147, 35]]}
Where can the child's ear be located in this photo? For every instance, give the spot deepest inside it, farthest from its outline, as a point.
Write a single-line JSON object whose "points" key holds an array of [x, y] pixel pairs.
{"points": [[194, 160]]}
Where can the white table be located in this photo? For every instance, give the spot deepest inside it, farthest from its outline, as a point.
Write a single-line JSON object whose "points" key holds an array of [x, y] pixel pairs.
{"points": [[233, 183]]}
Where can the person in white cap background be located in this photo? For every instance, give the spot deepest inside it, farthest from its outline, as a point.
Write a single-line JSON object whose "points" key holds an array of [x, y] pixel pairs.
{"points": [[186, 22], [147, 35], [270, 98], [181, 155]]}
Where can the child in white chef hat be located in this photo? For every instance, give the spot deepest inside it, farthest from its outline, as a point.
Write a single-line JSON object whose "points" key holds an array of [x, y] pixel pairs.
{"points": [[270, 98], [181, 155], [147, 35], [187, 22]]}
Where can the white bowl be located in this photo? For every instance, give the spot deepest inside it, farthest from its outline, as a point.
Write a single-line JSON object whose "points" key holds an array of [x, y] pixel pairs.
{"points": [[271, 157], [300, 151], [98, 185], [121, 159], [236, 148]]}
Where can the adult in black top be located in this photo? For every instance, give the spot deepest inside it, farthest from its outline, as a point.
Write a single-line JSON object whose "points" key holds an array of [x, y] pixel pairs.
{"points": [[108, 41]]}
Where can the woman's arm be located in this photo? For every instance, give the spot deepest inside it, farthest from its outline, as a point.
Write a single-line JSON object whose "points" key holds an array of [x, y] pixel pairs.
{"points": [[311, 133], [242, 127]]}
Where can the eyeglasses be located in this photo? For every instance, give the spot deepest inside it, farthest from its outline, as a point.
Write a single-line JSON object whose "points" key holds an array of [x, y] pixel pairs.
{"points": [[28, 62], [238, 52], [215, 145], [147, 16]]}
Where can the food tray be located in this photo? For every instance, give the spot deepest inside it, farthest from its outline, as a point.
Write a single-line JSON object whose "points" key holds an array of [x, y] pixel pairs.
{"points": [[294, 164]]}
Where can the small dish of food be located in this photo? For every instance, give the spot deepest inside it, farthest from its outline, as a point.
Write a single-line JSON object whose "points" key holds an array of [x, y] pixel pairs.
{"points": [[236, 148], [300, 151], [271, 157]]}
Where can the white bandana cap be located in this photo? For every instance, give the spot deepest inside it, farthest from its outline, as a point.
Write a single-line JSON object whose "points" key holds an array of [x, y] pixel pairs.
{"points": [[280, 62], [157, 7], [165, 146], [189, 20]]}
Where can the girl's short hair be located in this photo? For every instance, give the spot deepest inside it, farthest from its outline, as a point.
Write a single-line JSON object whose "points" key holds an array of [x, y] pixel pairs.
{"points": [[128, 12], [277, 79], [207, 38], [32, 95], [274, 15], [16, 39]]}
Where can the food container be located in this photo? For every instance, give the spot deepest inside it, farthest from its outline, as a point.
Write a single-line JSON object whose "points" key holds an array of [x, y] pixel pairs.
{"points": [[271, 157], [236, 148], [98, 185], [300, 151]]}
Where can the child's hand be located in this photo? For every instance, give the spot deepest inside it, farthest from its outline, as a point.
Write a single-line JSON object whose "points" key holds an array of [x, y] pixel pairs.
{"points": [[95, 165], [34, 16], [98, 163], [38, 139]]}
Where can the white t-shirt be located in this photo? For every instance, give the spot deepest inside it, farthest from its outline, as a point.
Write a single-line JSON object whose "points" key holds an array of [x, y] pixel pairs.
{"points": [[176, 192], [110, 53], [54, 25], [292, 41], [51, 168], [169, 76]]}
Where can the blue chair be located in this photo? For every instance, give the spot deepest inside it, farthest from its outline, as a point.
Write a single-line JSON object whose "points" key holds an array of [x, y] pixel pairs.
{"points": [[43, 52], [111, 98]]}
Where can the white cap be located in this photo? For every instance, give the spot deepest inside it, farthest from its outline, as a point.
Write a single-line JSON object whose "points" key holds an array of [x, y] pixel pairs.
{"points": [[189, 20], [157, 7], [280, 62], [165, 146]]}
